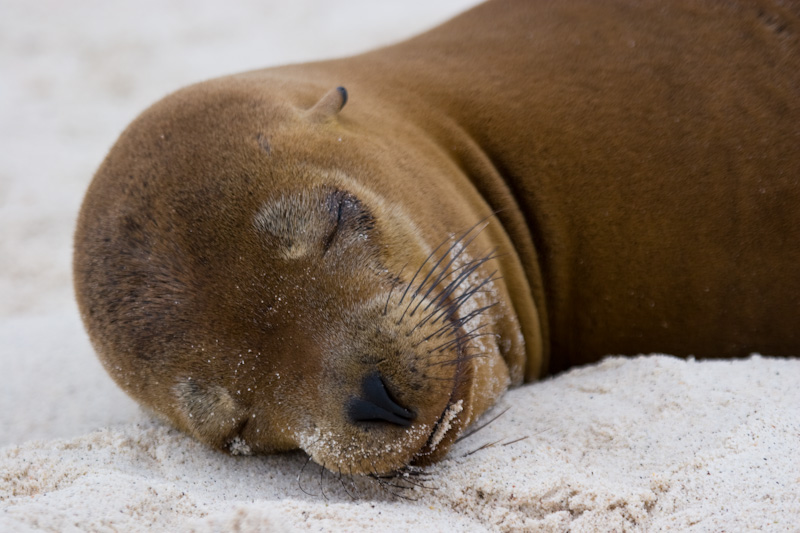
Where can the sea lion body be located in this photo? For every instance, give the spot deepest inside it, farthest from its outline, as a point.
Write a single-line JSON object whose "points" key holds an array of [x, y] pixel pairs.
{"points": [[528, 187]]}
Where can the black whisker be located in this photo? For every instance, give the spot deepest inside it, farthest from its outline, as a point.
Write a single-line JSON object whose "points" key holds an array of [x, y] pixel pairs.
{"points": [[472, 266], [344, 487], [410, 283], [447, 311], [474, 431], [321, 488], [461, 300], [383, 483], [487, 445], [417, 484], [435, 266], [447, 252], [300, 475], [460, 359], [474, 289], [395, 283], [448, 290], [447, 326], [515, 440], [445, 271], [462, 321], [461, 339], [399, 492]]}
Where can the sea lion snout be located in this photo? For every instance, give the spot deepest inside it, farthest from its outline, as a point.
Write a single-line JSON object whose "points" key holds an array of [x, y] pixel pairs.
{"points": [[377, 356], [376, 413]]}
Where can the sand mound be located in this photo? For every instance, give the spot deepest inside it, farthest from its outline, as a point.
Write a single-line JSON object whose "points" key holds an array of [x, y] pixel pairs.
{"points": [[653, 443]]}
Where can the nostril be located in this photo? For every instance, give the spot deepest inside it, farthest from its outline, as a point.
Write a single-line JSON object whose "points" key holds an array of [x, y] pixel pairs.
{"points": [[364, 411], [377, 405]]}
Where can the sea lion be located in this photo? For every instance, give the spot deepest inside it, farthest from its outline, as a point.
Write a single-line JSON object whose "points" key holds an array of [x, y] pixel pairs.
{"points": [[530, 186]]}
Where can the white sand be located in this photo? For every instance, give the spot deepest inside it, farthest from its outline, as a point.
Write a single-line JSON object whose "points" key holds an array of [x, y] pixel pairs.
{"points": [[652, 443]]}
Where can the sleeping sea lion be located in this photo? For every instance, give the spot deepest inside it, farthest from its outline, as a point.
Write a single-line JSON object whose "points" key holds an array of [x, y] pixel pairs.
{"points": [[528, 187]]}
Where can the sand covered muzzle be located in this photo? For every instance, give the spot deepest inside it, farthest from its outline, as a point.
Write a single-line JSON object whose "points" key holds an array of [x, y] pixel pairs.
{"points": [[388, 360], [399, 379]]}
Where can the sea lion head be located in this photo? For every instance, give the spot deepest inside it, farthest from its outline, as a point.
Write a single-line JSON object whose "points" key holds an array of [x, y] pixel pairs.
{"points": [[240, 276]]}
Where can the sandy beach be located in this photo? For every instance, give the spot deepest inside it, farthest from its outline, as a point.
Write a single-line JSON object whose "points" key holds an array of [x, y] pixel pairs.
{"points": [[651, 443]]}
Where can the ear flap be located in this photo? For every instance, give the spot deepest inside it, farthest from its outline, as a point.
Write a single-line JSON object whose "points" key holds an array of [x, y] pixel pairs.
{"points": [[329, 105]]}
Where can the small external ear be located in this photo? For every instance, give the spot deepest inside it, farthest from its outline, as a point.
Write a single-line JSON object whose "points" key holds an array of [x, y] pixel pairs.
{"points": [[329, 105]]}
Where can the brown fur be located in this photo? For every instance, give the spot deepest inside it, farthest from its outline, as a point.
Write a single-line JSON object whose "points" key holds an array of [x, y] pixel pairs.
{"points": [[246, 253]]}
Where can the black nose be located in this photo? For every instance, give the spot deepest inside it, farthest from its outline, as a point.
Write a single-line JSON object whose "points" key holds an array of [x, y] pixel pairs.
{"points": [[376, 405]]}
